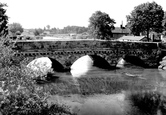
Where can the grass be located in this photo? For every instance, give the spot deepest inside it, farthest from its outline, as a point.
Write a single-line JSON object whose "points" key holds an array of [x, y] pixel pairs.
{"points": [[95, 85]]}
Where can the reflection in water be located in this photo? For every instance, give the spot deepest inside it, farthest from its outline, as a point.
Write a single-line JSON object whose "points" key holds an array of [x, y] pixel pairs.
{"points": [[81, 66]]}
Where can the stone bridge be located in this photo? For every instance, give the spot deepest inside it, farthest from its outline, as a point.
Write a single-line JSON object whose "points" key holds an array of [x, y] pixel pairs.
{"points": [[67, 51]]}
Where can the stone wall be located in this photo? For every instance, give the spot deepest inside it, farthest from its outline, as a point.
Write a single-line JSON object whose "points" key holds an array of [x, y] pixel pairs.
{"points": [[28, 46]]}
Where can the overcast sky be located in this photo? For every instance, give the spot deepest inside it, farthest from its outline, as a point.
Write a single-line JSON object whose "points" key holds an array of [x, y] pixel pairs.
{"points": [[61, 13]]}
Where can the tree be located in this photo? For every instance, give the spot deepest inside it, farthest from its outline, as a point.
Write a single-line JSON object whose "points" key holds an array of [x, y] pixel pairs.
{"points": [[53, 30], [101, 25], [15, 28], [3, 20], [38, 31], [146, 17], [48, 27]]}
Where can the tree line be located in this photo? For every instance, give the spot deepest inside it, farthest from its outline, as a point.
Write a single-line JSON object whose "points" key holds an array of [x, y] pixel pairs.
{"points": [[143, 19], [69, 29], [17, 28]]}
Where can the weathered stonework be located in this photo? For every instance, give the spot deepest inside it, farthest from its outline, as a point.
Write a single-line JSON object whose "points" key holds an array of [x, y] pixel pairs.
{"points": [[66, 52]]}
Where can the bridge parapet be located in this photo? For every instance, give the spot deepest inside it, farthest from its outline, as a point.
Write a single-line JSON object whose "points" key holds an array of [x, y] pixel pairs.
{"points": [[30, 45]]}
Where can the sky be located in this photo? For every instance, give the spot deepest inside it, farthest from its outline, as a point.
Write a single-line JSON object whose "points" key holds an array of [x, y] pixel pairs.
{"points": [[61, 13]]}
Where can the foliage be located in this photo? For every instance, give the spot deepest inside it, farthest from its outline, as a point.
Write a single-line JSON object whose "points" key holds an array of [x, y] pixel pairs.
{"points": [[14, 75], [20, 95], [147, 102], [146, 17], [3, 20], [74, 29], [6, 52], [101, 25], [21, 104], [48, 27], [11, 74], [69, 29], [15, 28], [38, 31]]}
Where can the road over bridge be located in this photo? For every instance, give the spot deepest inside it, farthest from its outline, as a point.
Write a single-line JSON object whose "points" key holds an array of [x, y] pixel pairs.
{"points": [[67, 51]]}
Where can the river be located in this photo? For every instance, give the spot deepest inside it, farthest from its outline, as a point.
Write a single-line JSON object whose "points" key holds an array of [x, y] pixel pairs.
{"points": [[139, 76], [113, 104]]}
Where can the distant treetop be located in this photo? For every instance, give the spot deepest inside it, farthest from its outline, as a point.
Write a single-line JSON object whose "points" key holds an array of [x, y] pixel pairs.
{"points": [[145, 18], [101, 25]]}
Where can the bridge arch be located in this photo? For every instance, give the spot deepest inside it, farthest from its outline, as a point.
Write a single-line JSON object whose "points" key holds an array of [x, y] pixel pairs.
{"points": [[99, 61], [135, 60], [87, 63], [46, 63]]}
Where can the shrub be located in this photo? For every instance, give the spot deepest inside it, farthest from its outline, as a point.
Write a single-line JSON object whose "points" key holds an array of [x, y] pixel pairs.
{"points": [[21, 104], [147, 103], [6, 52]]}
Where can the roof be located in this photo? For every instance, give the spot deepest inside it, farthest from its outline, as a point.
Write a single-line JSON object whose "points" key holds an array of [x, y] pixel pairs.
{"points": [[131, 38], [119, 30]]}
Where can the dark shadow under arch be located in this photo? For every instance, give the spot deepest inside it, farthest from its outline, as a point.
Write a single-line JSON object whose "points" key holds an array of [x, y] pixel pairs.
{"points": [[57, 66], [100, 62], [135, 61]]}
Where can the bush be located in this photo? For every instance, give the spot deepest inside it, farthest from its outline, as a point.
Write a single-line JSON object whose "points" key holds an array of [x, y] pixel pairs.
{"points": [[21, 104], [16, 28], [147, 103], [6, 52]]}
